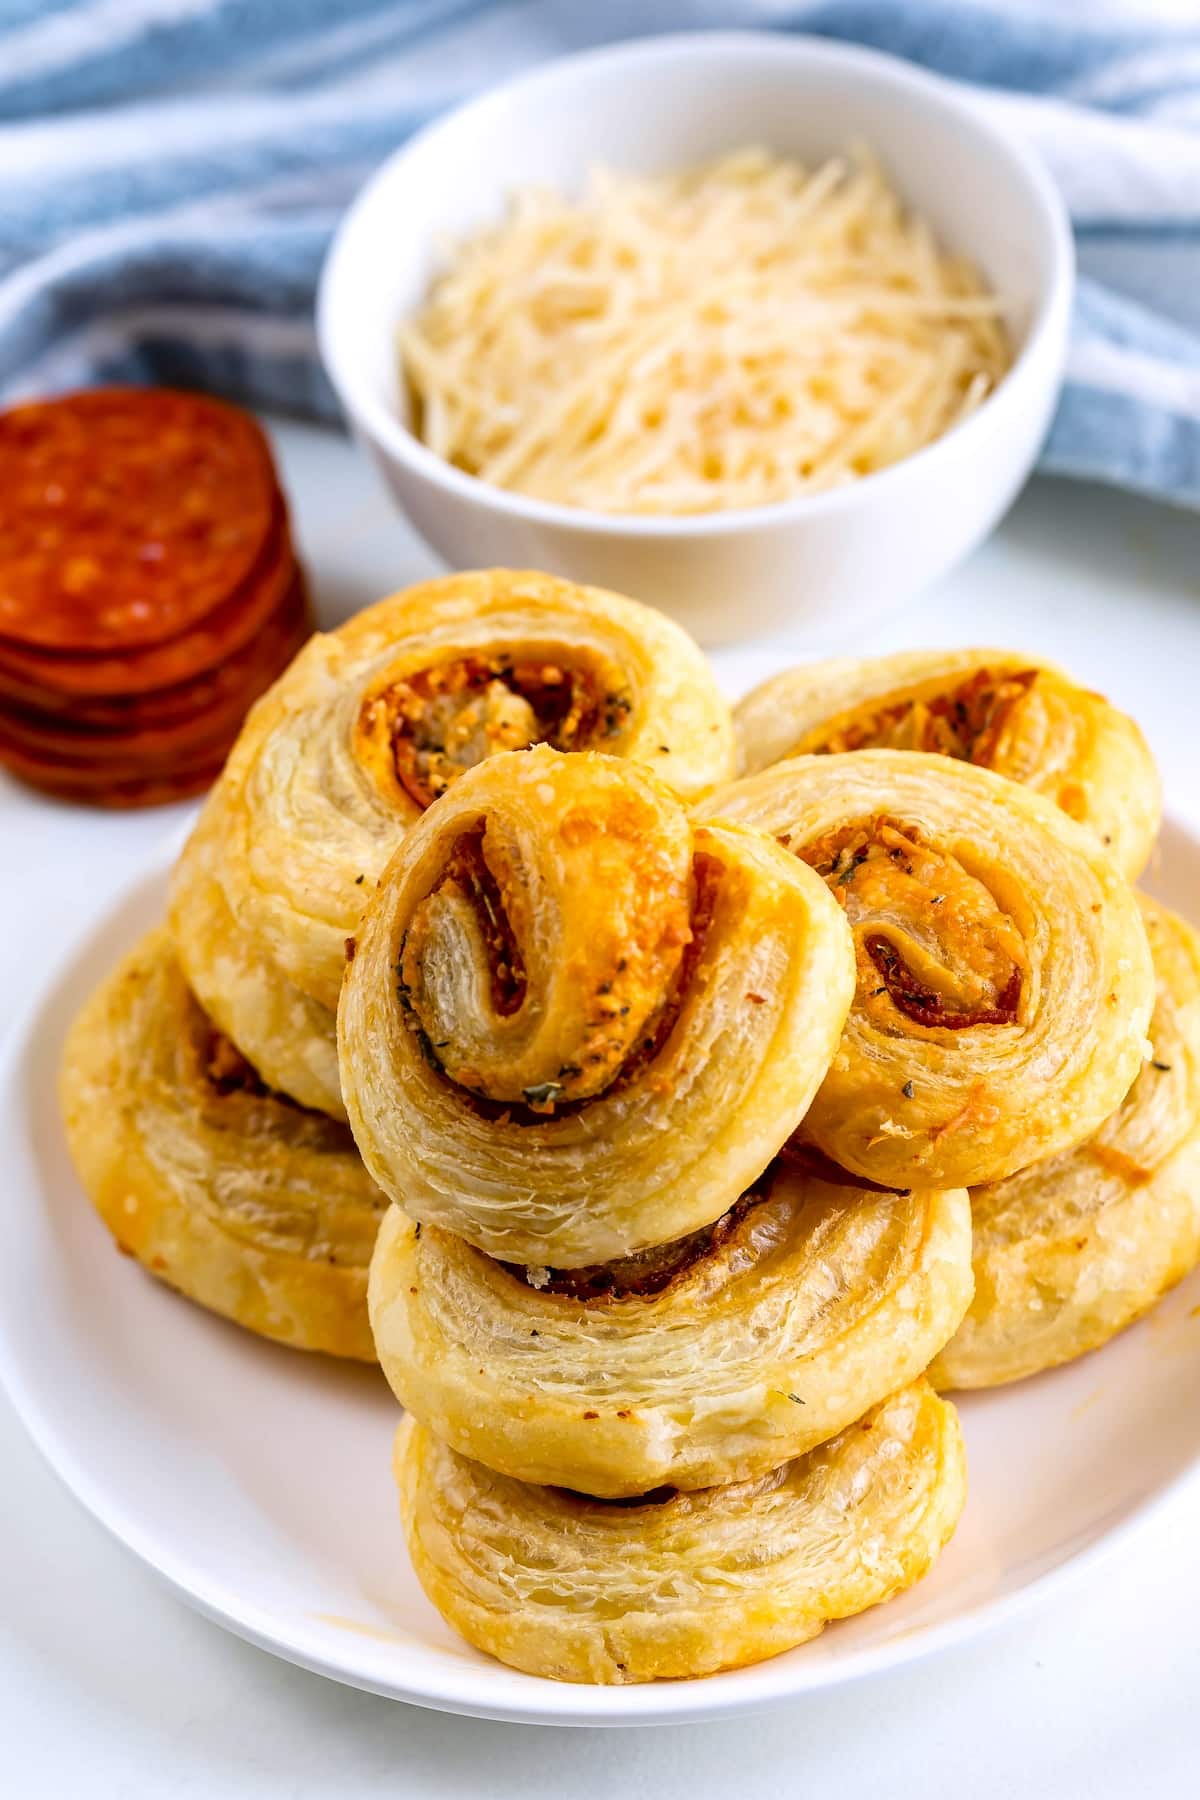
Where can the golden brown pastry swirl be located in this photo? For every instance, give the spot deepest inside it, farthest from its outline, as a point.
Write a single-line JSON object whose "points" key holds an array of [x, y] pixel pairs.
{"points": [[1004, 982], [241, 1200], [995, 708], [368, 726], [574, 1025], [1070, 1251], [710, 1360], [683, 1584]]}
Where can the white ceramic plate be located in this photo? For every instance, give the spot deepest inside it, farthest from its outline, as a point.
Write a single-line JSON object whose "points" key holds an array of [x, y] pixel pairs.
{"points": [[257, 1481]]}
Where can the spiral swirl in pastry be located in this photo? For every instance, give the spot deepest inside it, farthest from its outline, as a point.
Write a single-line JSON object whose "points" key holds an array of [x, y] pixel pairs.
{"points": [[1004, 978], [996, 708], [238, 1198], [682, 1584], [1069, 1252], [706, 1361], [573, 1026], [377, 719]]}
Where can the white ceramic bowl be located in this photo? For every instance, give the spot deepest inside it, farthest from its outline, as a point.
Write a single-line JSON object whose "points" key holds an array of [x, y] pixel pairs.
{"points": [[828, 560]]}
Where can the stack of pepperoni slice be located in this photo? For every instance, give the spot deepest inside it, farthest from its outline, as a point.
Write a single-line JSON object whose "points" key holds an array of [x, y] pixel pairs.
{"points": [[149, 590]]}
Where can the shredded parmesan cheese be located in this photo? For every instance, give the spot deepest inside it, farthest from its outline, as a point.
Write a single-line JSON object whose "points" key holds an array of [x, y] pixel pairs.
{"points": [[726, 337]]}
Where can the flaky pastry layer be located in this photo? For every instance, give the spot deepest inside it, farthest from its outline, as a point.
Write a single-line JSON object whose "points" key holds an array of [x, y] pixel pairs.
{"points": [[1070, 1251], [243, 1201], [709, 1361], [683, 1584]]}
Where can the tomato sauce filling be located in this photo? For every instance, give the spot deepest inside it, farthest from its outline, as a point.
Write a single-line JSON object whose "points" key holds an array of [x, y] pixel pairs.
{"points": [[467, 875], [227, 1070], [930, 938], [928, 1008], [605, 1057], [658, 1496], [966, 722], [647, 1272], [445, 719]]}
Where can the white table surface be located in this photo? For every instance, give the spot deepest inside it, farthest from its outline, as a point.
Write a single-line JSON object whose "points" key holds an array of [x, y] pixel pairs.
{"points": [[112, 1688]]}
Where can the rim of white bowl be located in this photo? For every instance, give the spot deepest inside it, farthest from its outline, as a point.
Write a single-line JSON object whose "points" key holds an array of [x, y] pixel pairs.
{"points": [[365, 409]]}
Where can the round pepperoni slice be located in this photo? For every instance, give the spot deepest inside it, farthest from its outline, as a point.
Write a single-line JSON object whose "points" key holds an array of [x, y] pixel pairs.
{"points": [[126, 515], [144, 790], [146, 769], [185, 700], [54, 680], [85, 777], [208, 724]]}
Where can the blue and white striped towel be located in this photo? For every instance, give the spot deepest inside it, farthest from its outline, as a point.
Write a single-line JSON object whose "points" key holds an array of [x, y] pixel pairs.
{"points": [[170, 172]]}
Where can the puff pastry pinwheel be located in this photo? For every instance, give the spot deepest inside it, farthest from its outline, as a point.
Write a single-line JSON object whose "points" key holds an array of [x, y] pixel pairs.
{"points": [[706, 1361], [574, 1026], [682, 1584], [1070, 1251], [1004, 711], [374, 720], [1004, 979], [238, 1198]]}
